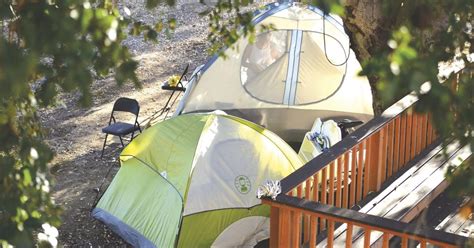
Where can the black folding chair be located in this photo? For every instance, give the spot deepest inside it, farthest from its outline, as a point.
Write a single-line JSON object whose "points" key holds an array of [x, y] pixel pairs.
{"points": [[120, 129]]}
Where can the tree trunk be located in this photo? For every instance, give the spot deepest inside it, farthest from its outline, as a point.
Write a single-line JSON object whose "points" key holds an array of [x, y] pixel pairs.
{"points": [[370, 23], [369, 30]]}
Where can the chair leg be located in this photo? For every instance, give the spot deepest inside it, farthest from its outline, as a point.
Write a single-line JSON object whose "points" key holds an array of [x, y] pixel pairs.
{"points": [[103, 147], [132, 136], [121, 141]]}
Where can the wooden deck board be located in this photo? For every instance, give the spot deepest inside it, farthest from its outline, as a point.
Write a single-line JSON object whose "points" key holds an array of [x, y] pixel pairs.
{"points": [[416, 201], [409, 181], [457, 224]]}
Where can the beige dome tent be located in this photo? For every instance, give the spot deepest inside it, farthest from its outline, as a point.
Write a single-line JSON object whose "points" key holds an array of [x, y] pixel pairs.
{"points": [[302, 70]]}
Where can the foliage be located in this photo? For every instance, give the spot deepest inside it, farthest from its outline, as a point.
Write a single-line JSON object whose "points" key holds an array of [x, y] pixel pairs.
{"points": [[439, 69], [226, 30], [228, 21], [47, 46]]}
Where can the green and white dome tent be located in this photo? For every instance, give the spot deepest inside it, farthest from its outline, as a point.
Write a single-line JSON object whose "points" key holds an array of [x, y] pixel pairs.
{"points": [[290, 76], [191, 181]]}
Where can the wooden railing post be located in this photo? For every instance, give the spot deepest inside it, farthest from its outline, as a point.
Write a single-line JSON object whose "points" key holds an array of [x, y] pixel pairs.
{"points": [[295, 228], [274, 226], [375, 171], [284, 231], [382, 159]]}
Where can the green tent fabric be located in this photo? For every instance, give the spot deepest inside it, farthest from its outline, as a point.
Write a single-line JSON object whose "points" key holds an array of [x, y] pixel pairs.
{"points": [[190, 181]]}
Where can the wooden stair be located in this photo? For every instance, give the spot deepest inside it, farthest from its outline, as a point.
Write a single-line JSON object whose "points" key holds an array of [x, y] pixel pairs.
{"points": [[409, 194]]}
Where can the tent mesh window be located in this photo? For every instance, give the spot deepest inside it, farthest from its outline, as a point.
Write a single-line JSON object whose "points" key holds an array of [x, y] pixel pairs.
{"points": [[321, 68], [293, 67], [264, 66]]}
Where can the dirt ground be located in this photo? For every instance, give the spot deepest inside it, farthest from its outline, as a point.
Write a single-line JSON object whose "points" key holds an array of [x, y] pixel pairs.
{"points": [[74, 133]]}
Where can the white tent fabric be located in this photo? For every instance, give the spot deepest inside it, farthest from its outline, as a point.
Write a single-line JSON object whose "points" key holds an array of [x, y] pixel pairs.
{"points": [[220, 147], [286, 79], [255, 228]]}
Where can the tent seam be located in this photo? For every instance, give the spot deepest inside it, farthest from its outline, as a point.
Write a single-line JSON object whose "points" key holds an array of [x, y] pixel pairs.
{"points": [[157, 172], [191, 172], [296, 66], [212, 210], [289, 72]]}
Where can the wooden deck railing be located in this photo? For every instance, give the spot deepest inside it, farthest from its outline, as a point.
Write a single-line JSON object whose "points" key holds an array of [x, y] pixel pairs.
{"points": [[288, 210], [346, 174], [361, 162]]}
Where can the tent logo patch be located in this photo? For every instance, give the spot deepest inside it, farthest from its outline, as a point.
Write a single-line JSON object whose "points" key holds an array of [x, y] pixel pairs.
{"points": [[242, 184]]}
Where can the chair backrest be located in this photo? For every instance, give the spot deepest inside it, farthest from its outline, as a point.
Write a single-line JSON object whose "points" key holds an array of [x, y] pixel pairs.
{"points": [[126, 105]]}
